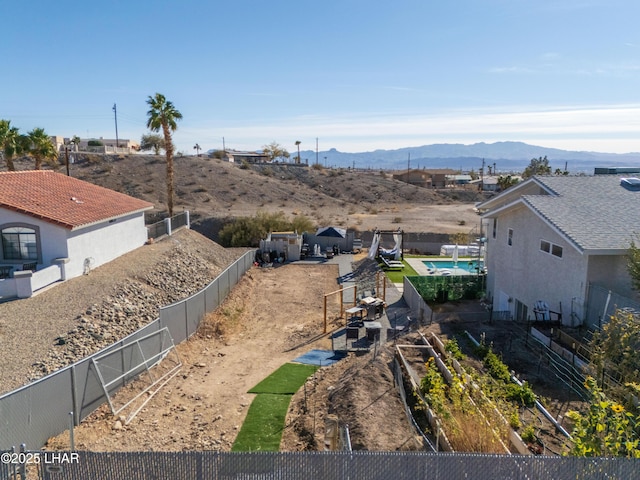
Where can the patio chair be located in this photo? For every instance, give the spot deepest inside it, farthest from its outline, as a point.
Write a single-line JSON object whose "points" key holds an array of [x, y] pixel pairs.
{"points": [[542, 312]]}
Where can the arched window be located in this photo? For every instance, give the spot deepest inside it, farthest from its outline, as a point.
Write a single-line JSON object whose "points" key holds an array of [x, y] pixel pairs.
{"points": [[19, 243]]}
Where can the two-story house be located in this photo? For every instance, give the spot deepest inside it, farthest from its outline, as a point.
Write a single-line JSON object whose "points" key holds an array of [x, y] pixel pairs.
{"points": [[550, 238]]}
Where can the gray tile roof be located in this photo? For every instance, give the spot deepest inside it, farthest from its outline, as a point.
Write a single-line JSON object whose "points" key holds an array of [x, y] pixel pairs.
{"points": [[594, 212]]}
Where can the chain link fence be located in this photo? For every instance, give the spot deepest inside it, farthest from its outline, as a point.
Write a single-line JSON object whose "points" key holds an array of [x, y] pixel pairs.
{"points": [[40, 410], [326, 466]]}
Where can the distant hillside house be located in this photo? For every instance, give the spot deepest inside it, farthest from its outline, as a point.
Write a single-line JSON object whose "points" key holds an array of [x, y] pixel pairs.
{"points": [[432, 178], [98, 145], [61, 227], [458, 179], [551, 238], [235, 156]]}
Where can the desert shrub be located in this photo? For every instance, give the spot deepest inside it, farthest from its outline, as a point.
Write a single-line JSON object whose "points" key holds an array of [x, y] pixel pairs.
{"points": [[248, 231], [244, 165], [397, 220], [95, 143]]}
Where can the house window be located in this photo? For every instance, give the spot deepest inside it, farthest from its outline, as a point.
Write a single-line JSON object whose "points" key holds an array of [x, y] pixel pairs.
{"points": [[495, 227], [552, 248], [510, 240], [19, 243]]}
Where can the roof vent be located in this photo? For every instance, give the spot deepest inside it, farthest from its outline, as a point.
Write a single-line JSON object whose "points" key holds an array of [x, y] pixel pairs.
{"points": [[631, 183]]}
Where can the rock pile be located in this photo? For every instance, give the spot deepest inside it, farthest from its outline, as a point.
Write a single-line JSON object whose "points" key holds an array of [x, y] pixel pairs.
{"points": [[136, 302]]}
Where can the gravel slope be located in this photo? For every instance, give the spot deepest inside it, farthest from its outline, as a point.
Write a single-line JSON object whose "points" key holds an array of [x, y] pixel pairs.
{"points": [[70, 320]]}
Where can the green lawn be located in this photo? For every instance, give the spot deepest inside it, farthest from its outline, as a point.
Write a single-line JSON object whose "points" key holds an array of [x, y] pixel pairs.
{"points": [[396, 276], [262, 429]]}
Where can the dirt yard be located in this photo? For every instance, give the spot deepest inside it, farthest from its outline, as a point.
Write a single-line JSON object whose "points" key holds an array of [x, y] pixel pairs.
{"points": [[266, 321], [270, 318]]}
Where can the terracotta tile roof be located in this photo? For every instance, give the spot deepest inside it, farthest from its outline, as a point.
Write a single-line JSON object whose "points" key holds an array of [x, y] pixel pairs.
{"points": [[63, 200]]}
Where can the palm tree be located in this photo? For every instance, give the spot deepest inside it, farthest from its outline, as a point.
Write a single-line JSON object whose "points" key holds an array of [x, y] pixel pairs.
{"points": [[197, 149], [42, 148], [163, 115], [298, 142], [9, 143]]}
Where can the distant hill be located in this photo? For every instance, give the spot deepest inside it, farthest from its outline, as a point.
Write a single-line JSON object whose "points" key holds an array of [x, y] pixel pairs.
{"points": [[507, 156]]}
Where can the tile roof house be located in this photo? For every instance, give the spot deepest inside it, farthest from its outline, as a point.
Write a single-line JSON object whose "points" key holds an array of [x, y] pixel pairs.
{"points": [[550, 238], [64, 226]]}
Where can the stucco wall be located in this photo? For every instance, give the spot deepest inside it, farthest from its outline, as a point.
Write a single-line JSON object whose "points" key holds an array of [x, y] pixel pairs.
{"points": [[104, 242], [610, 272], [52, 238], [524, 272]]}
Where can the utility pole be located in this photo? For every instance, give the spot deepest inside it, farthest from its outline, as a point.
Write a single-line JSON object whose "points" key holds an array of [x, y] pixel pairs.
{"points": [[408, 166], [316, 150], [224, 150], [115, 113]]}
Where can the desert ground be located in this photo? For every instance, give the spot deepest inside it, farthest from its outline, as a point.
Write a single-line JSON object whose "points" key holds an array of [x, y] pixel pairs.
{"points": [[273, 315]]}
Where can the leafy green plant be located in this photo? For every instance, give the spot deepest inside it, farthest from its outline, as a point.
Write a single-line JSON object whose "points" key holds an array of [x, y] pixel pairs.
{"points": [[514, 420], [433, 387], [496, 368], [606, 429], [521, 394], [451, 346], [528, 434]]}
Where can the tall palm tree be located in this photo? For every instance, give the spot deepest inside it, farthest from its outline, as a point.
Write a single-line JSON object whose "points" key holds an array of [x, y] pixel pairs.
{"points": [[163, 115], [42, 148], [298, 142]]}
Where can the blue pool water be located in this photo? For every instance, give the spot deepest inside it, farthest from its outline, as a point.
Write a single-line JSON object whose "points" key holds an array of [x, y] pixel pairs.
{"points": [[469, 265]]}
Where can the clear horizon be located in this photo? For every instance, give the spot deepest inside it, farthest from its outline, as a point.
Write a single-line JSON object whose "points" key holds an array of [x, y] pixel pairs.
{"points": [[359, 76]]}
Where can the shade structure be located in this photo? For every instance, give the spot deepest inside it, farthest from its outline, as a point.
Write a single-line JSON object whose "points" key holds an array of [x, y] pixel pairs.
{"points": [[331, 232]]}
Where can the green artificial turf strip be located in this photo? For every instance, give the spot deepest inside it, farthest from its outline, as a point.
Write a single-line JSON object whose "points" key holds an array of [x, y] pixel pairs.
{"points": [[286, 380], [262, 429]]}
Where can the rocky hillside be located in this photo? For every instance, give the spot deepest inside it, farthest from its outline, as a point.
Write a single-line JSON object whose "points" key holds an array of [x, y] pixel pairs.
{"points": [[215, 191]]}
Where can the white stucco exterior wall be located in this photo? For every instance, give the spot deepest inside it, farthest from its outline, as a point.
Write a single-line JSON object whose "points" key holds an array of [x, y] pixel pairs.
{"points": [[104, 242], [524, 272], [101, 242]]}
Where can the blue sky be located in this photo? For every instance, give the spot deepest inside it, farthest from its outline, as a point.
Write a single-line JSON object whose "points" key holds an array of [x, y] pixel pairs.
{"points": [[358, 75]]}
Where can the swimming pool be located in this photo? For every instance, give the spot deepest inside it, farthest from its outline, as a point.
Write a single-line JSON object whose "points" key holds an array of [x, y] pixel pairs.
{"points": [[464, 264]]}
